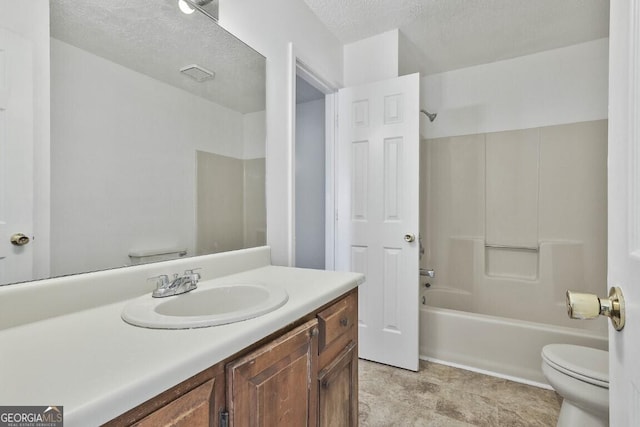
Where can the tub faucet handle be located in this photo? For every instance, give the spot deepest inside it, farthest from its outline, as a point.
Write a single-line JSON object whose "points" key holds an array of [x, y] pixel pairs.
{"points": [[590, 306]]}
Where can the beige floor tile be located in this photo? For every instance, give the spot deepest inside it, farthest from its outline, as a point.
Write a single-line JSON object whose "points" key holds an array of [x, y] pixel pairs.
{"points": [[440, 395], [467, 407], [509, 417], [435, 372], [473, 382]]}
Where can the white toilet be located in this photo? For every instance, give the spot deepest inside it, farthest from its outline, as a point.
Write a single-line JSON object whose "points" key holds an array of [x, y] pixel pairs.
{"points": [[581, 376]]}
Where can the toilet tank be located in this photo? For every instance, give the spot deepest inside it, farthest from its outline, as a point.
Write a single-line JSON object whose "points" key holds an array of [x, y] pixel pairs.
{"points": [[155, 255]]}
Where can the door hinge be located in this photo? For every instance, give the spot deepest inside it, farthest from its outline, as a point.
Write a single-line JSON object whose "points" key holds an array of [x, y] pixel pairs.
{"points": [[224, 419]]}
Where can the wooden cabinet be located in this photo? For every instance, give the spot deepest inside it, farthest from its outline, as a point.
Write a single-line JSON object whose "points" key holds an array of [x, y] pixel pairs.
{"points": [[276, 384], [337, 390], [303, 375], [195, 402], [190, 409], [338, 363], [338, 327]]}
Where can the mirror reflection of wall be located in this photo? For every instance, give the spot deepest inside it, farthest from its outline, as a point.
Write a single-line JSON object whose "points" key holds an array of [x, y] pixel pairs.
{"points": [[241, 224], [130, 132]]}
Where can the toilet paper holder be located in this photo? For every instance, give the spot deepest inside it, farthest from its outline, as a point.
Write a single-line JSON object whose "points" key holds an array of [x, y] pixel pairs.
{"points": [[590, 306]]}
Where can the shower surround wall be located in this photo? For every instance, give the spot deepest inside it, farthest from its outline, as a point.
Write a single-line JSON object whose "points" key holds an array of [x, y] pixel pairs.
{"points": [[227, 189], [513, 207], [515, 218]]}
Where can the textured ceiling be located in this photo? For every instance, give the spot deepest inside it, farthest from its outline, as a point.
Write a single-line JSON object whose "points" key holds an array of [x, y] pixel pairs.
{"points": [[454, 34], [154, 38]]}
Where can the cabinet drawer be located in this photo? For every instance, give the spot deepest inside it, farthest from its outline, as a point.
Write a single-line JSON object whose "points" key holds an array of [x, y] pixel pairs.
{"points": [[337, 320]]}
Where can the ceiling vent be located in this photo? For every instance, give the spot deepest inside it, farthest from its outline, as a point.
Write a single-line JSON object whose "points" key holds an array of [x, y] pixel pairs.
{"points": [[197, 73]]}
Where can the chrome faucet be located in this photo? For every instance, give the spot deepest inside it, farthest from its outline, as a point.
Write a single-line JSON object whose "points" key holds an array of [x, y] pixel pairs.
{"points": [[178, 285]]}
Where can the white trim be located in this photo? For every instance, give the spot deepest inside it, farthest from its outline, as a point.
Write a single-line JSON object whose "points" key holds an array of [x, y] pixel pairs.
{"points": [[634, 108], [331, 212], [315, 80], [291, 158], [490, 373]]}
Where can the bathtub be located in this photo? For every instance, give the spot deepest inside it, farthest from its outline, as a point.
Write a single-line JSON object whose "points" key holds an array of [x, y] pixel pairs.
{"points": [[497, 346]]}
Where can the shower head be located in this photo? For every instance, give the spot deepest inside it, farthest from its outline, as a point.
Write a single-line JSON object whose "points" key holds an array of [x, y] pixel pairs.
{"points": [[432, 116]]}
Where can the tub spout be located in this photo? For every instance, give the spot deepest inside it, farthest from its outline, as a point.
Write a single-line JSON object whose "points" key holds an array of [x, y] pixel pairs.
{"points": [[427, 272]]}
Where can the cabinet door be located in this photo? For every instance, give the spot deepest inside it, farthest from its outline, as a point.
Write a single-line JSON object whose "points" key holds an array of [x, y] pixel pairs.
{"points": [[337, 390], [195, 402], [192, 409], [276, 384]]}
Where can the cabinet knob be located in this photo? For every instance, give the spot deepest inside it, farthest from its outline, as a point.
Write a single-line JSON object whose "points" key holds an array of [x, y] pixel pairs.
{"points": [[344, 322]]}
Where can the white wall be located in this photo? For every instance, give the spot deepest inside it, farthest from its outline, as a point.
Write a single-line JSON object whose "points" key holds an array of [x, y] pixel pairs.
{"points": [[254, 135], [269, 27], [254, 131], [310, 179], [372, 59], [128, 177], [554, 87], [410, 58], [31, 20]]}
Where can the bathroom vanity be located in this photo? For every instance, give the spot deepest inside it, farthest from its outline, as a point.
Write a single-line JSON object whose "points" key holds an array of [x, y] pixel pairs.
{"points": [[64, 343], [304, 374]]}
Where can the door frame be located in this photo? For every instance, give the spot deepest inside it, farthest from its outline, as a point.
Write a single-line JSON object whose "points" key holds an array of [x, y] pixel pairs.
{"points": [[623, 253], [298, 67], [27, 19]]}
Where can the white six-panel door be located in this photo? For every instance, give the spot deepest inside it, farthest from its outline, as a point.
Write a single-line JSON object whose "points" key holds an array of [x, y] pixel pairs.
{"points": [[624, 209], [16, 155], [377, 187]]}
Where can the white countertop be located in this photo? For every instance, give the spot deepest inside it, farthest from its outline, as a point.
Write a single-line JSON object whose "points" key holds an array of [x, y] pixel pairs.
{"points": [[98, 367]]}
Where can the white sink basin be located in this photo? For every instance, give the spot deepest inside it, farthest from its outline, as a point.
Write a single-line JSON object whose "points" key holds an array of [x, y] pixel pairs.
{"points": [[206, 306]]}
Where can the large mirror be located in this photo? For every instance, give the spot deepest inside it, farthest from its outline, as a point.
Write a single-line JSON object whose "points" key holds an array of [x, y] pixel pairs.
{"points": [[157, 136]]}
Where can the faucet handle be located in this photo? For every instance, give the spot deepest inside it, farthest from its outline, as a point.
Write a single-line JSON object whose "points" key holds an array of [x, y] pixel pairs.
{"points": [[161, 280], [192, 272], [193, 277]]}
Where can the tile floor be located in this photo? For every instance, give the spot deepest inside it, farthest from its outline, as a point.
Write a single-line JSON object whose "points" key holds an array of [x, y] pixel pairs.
{"points": [[440, 395]]}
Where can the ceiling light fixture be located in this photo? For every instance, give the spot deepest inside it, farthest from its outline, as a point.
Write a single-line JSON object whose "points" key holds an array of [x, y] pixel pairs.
{"points": [[185, 7]]}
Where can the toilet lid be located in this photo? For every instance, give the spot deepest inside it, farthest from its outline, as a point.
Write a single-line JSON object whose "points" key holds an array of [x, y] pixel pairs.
{"points": [[584, 363]]}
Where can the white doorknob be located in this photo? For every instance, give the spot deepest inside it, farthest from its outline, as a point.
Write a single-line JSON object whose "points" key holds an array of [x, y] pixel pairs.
{"points": [[409, 238], [590, 306]]}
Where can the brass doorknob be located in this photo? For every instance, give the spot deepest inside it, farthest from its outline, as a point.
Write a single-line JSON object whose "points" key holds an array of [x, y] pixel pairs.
{"points": [[19, 239], [590, 306]]}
